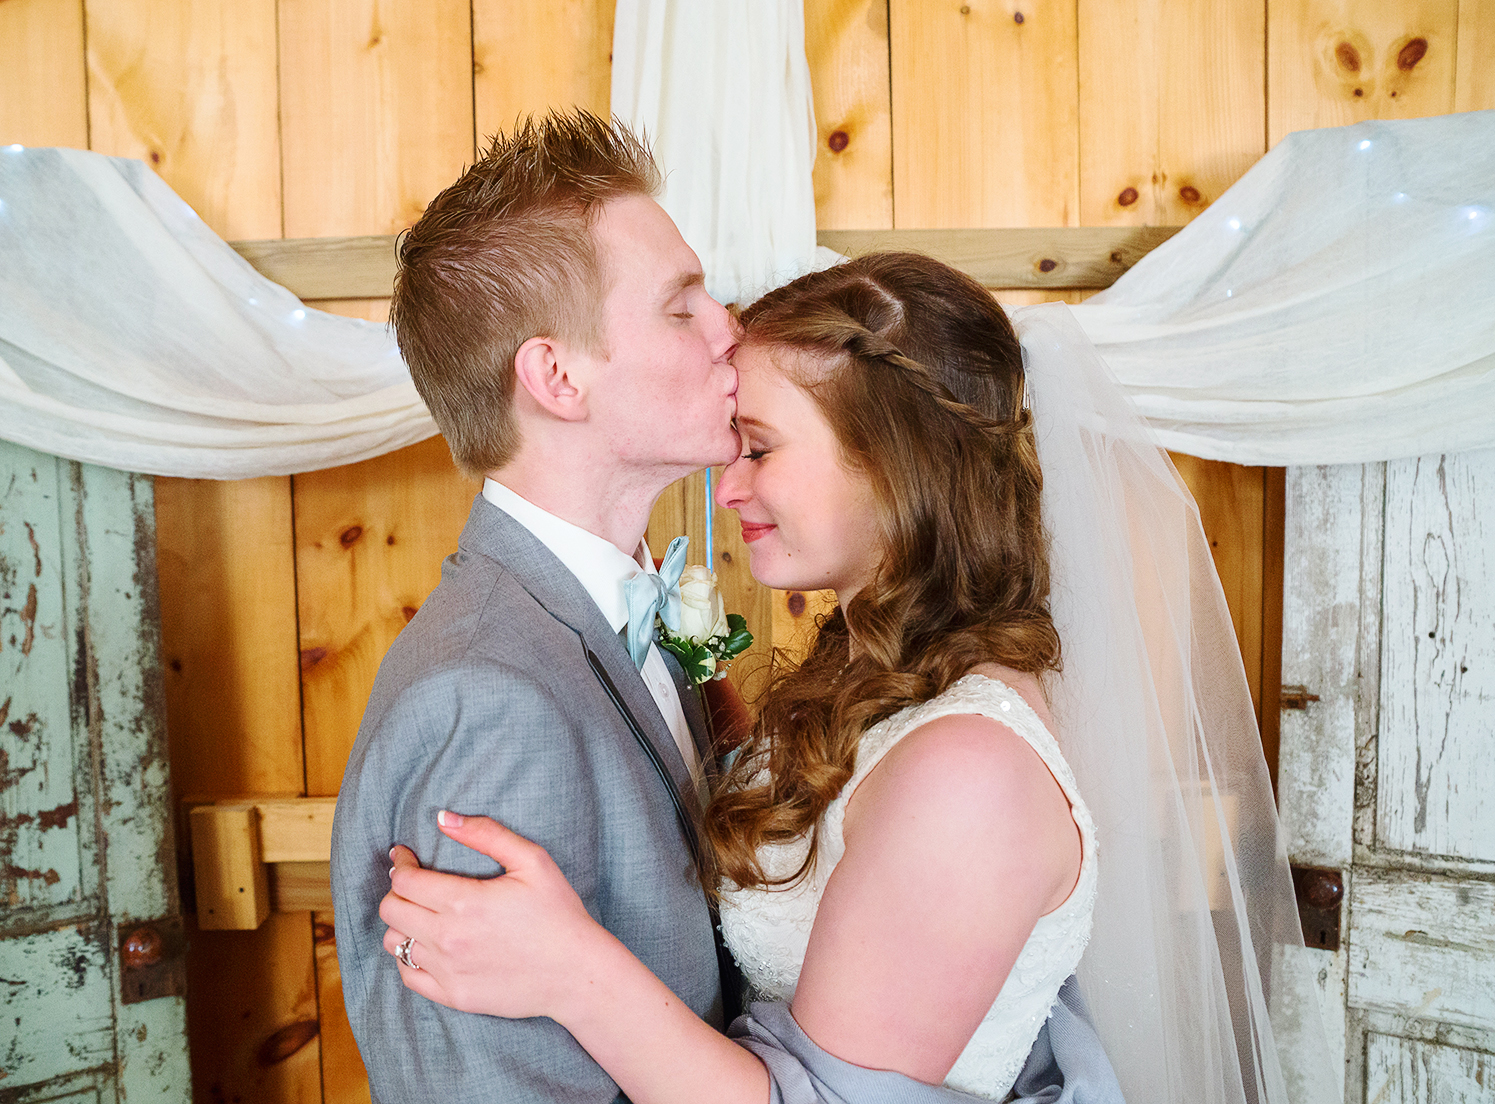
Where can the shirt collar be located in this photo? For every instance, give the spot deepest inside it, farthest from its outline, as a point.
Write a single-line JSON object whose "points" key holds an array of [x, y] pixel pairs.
{"points": [[597, 563]]}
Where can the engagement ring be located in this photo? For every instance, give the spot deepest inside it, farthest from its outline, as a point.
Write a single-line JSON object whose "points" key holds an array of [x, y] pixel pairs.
{"points": [[402, 952]]}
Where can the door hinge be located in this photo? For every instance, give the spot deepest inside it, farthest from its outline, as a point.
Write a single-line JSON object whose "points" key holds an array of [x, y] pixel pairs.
{"points": [[1297, 697]]}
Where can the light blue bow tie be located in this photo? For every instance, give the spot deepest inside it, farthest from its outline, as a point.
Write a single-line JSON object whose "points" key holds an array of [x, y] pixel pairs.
{"points": [[649, 594]]}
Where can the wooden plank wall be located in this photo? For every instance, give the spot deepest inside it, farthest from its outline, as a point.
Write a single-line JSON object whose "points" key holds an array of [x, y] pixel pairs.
{"points": [[318, 117]]}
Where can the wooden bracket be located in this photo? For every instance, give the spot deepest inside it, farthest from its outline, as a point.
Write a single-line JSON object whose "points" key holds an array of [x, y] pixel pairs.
{"points": [[254, 855]]}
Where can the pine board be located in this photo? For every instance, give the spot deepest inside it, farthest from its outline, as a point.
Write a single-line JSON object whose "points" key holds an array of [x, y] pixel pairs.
{"points": [[190, 90], [1334, 62], [1172, 106], [43, 97], [846, 44], [376, 109], [985, 113], [370, 539], [566, 52], [1474, 80]]}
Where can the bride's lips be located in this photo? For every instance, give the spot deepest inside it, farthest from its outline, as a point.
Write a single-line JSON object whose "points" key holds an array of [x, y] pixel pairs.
{"points": [[751, 532]]}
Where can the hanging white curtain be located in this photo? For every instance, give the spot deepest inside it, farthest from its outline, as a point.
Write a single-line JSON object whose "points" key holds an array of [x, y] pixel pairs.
{"points": [[691, 76]]}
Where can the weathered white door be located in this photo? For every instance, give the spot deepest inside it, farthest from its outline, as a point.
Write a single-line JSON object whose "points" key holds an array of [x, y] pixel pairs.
{"points": [[1389, 776], [91, 977]]}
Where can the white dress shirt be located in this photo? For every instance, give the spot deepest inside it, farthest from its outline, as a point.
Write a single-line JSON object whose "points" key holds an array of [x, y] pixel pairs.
{"points": [[602, 569]]}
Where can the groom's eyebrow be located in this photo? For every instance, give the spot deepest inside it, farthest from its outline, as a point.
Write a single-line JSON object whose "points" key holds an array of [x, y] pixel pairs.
{"points": [[683, 282]]}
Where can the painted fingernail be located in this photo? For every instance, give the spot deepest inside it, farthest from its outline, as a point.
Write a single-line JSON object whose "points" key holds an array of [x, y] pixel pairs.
{"points": [[448, 820], [392, 853], [391, 872]]}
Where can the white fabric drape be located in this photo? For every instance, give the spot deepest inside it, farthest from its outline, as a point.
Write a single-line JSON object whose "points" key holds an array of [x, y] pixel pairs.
{"points": [[1337, 305], [132, 336]]}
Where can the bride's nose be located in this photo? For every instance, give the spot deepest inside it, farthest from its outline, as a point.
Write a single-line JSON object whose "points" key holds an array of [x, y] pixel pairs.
{"points": [[732, 487]]}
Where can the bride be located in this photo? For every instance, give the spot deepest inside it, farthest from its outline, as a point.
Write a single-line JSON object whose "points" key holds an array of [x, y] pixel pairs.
{"points": [[901, 851]]}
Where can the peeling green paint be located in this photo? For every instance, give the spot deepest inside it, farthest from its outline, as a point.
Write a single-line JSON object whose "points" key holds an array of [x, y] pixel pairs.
{"points": [[85, 826]]}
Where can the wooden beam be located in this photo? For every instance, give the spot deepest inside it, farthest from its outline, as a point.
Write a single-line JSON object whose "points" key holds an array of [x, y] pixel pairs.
{"points": [[1023, 257], [296, 829], [233, 891], [255, 855], [326, 268]]}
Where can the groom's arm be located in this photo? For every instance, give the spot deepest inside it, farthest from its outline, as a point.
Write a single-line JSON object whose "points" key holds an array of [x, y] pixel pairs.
{"points": [[486, 740]]}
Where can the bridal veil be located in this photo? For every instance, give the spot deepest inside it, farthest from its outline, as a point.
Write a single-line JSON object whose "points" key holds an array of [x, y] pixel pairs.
{"points": [[1154, 715]]}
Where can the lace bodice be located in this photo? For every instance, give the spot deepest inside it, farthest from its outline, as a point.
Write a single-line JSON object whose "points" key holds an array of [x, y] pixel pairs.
{"points": [[769, 930]]}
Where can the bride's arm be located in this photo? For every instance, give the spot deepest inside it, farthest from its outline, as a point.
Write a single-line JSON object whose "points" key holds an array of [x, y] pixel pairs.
{"points": [[523, 944], [956, 844]]}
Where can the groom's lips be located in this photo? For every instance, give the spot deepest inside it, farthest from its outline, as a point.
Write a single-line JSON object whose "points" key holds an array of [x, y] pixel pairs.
{"points": [[751, 532]]}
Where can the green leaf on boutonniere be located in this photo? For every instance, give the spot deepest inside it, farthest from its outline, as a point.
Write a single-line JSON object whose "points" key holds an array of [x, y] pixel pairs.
{"points": [[701, 664]]}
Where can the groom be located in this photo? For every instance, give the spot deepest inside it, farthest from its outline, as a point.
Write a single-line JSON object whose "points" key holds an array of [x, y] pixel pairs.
{"points": [[559, 329]]}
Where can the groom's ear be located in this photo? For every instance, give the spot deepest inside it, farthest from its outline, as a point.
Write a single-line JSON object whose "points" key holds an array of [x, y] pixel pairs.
{"points": [[543, 367]]}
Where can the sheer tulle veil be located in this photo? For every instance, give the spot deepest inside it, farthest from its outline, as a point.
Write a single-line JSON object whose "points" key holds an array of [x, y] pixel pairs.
{"points": [[1155, 716]]}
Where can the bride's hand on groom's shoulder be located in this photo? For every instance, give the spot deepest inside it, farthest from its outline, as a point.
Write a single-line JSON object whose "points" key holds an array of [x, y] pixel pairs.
{"points": [[514, 945]]}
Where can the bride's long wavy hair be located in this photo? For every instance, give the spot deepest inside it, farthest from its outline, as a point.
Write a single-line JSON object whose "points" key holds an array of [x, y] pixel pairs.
{"points": [[920, 376]]}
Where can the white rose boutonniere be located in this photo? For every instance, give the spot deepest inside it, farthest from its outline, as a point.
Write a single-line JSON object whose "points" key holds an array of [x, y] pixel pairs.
{"points": [[709, 637]]}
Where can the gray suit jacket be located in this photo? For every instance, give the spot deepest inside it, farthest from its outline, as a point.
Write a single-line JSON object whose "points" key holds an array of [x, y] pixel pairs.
{"points": [[488, 703]]}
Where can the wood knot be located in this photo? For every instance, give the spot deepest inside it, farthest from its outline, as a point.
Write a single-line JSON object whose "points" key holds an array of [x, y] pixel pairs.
{"points": [[1047, 265], [965, 9], [409, 612], [323, 933], [176, 665], [796, 604], [310, 657], [1348, 57], [155, 157], [349, 536], [1017, 17], [1127, 197], [726, 556], [1189, 194], [1359, 92], [1411, 54], [286, 1042], [838, 141], [1116, 257]]}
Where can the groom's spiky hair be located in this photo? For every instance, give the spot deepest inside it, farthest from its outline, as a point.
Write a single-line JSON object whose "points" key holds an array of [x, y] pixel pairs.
{"points": [[503, 255]]}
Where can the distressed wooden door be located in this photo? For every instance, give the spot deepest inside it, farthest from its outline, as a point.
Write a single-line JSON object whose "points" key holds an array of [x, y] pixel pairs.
{"points": [[91, 979], [1388, 777]]}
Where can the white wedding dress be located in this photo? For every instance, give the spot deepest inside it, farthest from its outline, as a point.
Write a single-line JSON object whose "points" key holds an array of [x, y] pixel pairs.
{"points": [[769, 930]]}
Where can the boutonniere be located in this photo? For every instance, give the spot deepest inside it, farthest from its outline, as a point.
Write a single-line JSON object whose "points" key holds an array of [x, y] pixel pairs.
{"points": [[708, 638]]}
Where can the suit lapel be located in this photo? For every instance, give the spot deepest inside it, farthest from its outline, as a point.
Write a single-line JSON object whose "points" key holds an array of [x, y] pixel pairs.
{"points": [[696, 716], [494, 534]]}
